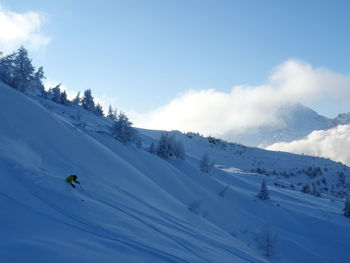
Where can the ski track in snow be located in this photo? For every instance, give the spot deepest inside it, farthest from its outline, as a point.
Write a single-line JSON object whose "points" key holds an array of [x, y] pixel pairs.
{"points": [[137, 202]]}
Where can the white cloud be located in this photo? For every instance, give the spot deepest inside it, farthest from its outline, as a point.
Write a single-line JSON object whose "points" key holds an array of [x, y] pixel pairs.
{"points": [[213, 112], [333, 144], [21, 29]]}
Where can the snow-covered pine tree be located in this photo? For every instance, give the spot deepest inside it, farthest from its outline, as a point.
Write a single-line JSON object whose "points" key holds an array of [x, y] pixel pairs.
{"points": [[37, 83], [6, 69], [111, 114], [152, 148], [122, 129], [64, 99], [55, 94], [138, 142], [88, 101], [263, 193], [23, 70], [347, 207], [179, 150], [77, 99], [98, 110], [204, 164], [169, 147], [164, 146]]}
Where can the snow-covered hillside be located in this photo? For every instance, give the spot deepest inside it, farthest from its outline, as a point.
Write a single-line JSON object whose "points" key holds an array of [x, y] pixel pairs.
{"points": [[136, 207], [291, 122]]}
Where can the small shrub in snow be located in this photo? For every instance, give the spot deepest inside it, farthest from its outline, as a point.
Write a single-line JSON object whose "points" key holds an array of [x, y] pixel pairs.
{"points": [[194, 207], [224, 191], [263, 193], [205, 214], [261, 171], [347, 207], [138, 142], [79, 121], [306, 189], [267, 242], [205, 165], [213, 140]]}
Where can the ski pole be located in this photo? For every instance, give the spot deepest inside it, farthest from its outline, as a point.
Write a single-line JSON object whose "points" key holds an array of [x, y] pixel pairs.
{"points": [[81, 188]]}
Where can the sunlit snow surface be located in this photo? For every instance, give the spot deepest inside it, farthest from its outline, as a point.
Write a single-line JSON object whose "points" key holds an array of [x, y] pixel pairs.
{"points": [[134, 206]]}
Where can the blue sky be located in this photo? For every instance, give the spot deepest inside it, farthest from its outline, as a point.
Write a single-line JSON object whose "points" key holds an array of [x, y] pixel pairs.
{"points": [[141, 55]]}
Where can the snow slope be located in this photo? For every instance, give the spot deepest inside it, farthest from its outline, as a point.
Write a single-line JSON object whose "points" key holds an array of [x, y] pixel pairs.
{"points": [[125, 215], [134, 206]]}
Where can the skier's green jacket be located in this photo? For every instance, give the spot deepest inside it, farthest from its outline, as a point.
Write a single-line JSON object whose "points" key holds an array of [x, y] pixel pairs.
{"points": [[72, 178]]}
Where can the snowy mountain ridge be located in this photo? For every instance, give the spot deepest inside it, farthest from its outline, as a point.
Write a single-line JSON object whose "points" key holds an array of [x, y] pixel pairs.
{"points": [[342, 118], [136, 207], [292, 122]]}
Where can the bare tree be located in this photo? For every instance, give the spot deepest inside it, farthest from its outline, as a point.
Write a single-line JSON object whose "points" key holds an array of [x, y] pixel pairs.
{"points": [[267, 242]]}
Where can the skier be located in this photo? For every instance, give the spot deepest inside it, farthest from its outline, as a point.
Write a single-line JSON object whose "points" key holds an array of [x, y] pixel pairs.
{"points": [[72, 178]]}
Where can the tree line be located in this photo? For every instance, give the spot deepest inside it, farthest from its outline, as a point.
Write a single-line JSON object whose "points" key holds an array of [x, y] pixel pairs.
{"points": [[18, 72]]}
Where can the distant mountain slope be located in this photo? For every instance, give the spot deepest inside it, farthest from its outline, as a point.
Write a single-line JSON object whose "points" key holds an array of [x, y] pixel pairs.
{"points": [[292, 122], [136, 207], [342, 118]]}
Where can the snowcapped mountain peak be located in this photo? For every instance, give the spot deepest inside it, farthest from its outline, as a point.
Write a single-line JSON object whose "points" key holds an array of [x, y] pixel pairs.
{"points": [[342, 118], [290, 122], [301, 119]]}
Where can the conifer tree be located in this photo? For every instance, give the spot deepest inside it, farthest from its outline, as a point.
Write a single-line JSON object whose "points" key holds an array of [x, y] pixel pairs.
{"points": [[164, 149], [169, 147], [98, 110], [37, 82], [64, 99], [77, 99], [6, 69], [347, 207], [122, 129], [23, 70], [152, 148], [179, 151], [204, 163], [55, 94], [88, 101], [263, 194], [111, 114]]}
